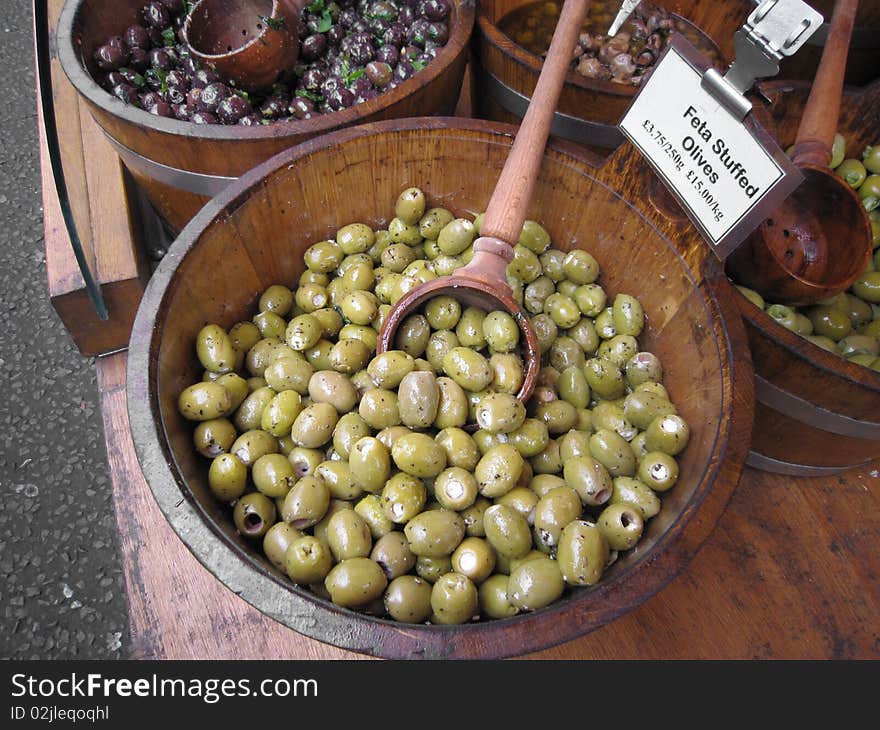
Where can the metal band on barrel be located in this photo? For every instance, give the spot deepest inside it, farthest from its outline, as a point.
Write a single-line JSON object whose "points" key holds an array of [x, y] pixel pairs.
{"points": [[809, 413], [777, 466], [564, 125], [191, 182]]}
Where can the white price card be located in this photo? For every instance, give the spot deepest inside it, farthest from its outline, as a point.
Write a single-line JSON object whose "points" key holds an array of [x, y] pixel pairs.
{"points": [[726, 174]]}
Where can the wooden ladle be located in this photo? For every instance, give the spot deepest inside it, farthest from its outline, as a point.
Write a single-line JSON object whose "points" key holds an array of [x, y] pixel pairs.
{"points": [[248, 42], [483, 282], [818, 242]]}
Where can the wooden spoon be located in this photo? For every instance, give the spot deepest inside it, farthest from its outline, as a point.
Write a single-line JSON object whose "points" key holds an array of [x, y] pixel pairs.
{"points": [[818, 242], [483, 282], [248, 42]]}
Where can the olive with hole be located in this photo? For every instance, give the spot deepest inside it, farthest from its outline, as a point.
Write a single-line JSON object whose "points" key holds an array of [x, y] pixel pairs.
{"points": [[254, 514], [403, 497], [622, 525], [454, 599], [304, 461], [582, 553], [455, 488], [669, 434], [355, 582], [589, 478], [474, 558]]}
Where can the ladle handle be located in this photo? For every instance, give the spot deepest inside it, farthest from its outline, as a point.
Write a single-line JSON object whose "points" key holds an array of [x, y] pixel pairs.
{"points": [[507, 208], [819, 121]]}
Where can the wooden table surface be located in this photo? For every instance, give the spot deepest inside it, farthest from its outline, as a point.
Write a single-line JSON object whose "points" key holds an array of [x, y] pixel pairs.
{"points": [[792, 571]]}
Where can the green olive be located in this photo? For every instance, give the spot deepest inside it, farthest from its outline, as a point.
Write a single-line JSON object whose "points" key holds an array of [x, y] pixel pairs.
{"points": [[548, 461], [613, 452], [454, 599], [214, 437], [589, 478], [562, 310], [553, 512], [474, 558], [461, 450], [244, 335], [227, 477], [304, 461], [281, 413], [622, 525], [251, 445], [574, 444], [403, 497], [433, 221], [370, 509], [535, 584], [629, 319], [525, 267], [635, 492], [507, 531], [452, 404], [204, 401], [215, 349], [468, 368], [392, 553], [413, 335], [276, 542], [370, 464], [418, 397], [455, 488], [355, 582], [253, 515], [314, 426], [456, 236], [435, 533], [350, 428], [558, 415], [289, 374], [498, 470], [408, 599], [338, 477], [867, 286], [566, 352], [669, 434], [273, 475], [348, 535], [643, 367], [307, 560], [604, 378], [494, 601], [582, 554], [642, 407], [659, 471], [531, 438], [430, 568], [306, 503], [419, 455], [534, 237]]}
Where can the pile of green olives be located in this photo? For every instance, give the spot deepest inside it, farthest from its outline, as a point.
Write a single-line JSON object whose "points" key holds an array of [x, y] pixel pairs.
{"points": [[847, 324], [414, 484]]}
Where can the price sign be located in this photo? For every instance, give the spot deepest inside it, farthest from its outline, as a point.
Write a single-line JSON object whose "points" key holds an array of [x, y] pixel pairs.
{"points": [[726, 174]]}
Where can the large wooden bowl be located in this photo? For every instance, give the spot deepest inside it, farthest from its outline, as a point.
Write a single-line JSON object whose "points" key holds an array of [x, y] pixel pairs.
{"points": [[182, 165], [254, 235], [816, 414]]}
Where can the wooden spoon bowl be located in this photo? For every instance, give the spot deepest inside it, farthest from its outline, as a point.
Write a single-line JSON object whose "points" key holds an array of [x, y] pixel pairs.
{"points": [[249, 42]]}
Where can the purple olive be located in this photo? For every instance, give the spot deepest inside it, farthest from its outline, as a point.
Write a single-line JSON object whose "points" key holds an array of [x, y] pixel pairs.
{"points": [[340, 99], [177, 78], [183, 112], [383, 10], [347, 18], [313, 78], [417, 33], [139, 60], [360, 87], [312, 47], [438, 32], [151, 98], [233, 108], [376, 26], [175, 7], [156, 38], [203, 77], [132, 77], [189, 65], [160, 109], [335, 34], [211, 96], [302, 108], [193, 97], [175, 95], [161, 59], [127, 93], [156, 15], [113, 79], [203, 118], [395, 35], [110, 58], [251, 120], [136, 36], [388, 55], [379, 73], [406, 17], [274, 107], [435, 10]]}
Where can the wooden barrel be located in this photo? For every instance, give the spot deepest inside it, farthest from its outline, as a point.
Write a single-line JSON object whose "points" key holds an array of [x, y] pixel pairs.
{"points": [[816, 414], [181, 165], [258, 229], [505, 75]]}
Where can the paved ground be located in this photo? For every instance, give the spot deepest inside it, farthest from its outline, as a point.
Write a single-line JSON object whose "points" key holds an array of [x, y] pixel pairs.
{"points": [[61, 589]]}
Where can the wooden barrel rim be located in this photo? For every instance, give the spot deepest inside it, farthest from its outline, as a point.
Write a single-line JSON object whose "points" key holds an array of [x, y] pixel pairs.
{"points": [[307, 614], [505, 45], [459, 39], [803, 349]]}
